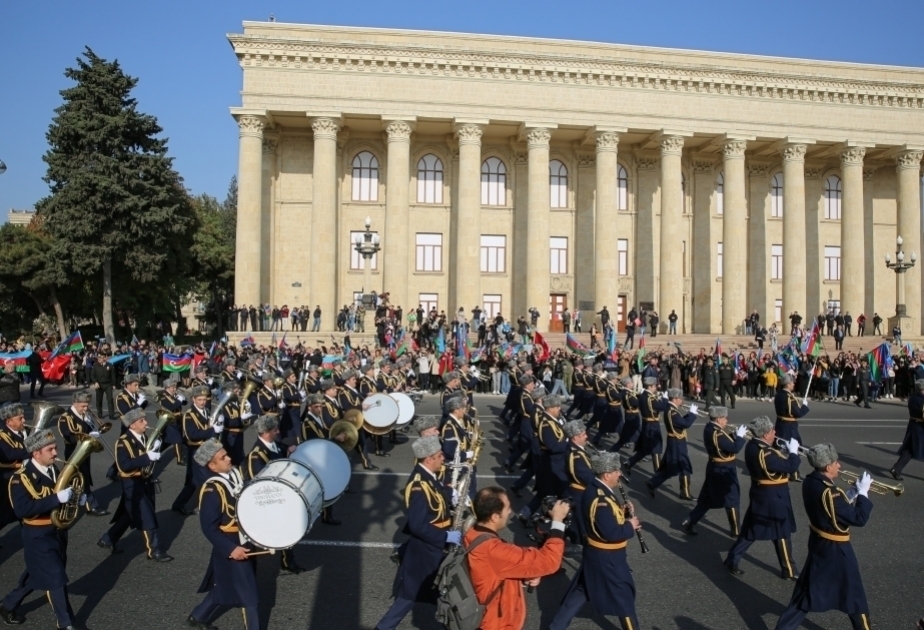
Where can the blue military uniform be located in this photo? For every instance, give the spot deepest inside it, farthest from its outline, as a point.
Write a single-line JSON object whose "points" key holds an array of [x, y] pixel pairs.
{"points": [[70, 426], [580, 477], [12, 455], [125, 402], [676, 460], [604, 578], [348, 399], [578, 391], [196, 430], [830, 579], [528, 441], [769, 515], [597, 386], [913, 444], [612, 418], [291, 412], [173, 434], [788, 411], [551, 477], [632, 424], [232, 438], [720, 487], [649, 441]]}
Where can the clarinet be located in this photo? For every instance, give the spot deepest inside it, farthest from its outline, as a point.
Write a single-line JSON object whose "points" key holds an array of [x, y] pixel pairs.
{"points": [[631, 511]]}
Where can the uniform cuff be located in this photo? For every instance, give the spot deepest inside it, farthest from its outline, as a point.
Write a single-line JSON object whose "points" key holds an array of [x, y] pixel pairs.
{"points": [[557, 526]]}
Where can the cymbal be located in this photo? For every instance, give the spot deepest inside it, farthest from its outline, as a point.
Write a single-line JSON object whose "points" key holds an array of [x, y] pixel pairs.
{"points": [[354, 417], [346, 428]]}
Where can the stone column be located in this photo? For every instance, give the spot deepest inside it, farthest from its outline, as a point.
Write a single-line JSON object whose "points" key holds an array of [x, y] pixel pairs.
{"points": [[323, 281], [671, 268], [268, 289], [734, 239], [606, 271], [794, 269], [249, 238], [537, 225], [466, 252], [396, 239], [908, 167], [853, 243]]}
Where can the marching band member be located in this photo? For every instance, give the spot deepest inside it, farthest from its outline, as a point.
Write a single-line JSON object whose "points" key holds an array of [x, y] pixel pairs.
{"points": [[788, 411], [201, 378], [31, 492], [551, 478], [130, 397], [612, 419], [173, 401], [578, 388], [231, 577], [597, 385], [313, 425], [237, 413], [676, 459], [367, 385], [913, 443], [197, 428], [830, 579], [454, 434], [263, 401], [13, 454], [769, 515], [290, 403], [428, 503], [720, 487], [229, 372], [349, 398], [72, 423], [649, 440], [136, 507], [632, 425], [521, 432], [604, 578], [427, 426], [580, 472]]}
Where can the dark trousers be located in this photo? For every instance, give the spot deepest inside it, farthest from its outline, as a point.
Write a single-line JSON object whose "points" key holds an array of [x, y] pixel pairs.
{"points": [[792, 618], [783, 553], [573, 603], [727, 389], [208, 611], [57, 598], [710, 397], [40, 379], [190, 485], [903, 458], [700, 510], [398, 611], [110, 407], [118, 529]]}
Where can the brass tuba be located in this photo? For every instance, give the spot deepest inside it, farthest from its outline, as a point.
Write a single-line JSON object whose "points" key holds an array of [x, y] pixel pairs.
{"points": [[45, 414], [164, 418], [250, 387], [65, 515]]}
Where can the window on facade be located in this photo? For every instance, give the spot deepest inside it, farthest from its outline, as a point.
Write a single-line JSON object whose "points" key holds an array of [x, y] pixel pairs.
{"points": [[776, 262], [558, 248], [622, 251], [622, 190], [776, 195], [718, 260], [832, 262], [558, 184], [365, 177], [778, 310], [493, 182], [356, 259], [834, 306], [720, 194], [428, 301], [429, 179], [491, 303], [833, 198], [493, 253], [429, 252]]}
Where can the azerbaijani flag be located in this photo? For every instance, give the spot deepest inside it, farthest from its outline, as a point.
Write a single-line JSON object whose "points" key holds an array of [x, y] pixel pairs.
{"points": [[74, 343], [328, 363], [441, 341], [407, 345], [247, 341], [282, 343], [177, 363], [879, 360], [718, 348], [19, 359], [640, 357], [611, 344], [811, 343], [478, 354], [576, 346], [135, 341], [908, 349]]}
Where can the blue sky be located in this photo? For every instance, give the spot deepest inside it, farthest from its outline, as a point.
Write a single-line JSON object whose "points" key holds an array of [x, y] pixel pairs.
{"points": [[189, 75]]}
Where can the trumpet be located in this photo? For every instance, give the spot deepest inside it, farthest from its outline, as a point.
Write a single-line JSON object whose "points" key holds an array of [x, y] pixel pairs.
{"points": [[877, 486], [699, 412], [784, 445]]}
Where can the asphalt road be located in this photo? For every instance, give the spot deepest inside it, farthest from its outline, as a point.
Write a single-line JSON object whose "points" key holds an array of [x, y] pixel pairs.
{"points": [[680, 584]]}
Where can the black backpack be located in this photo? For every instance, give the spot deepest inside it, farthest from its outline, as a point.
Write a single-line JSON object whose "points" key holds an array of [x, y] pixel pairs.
{"points": [[457, 606]]}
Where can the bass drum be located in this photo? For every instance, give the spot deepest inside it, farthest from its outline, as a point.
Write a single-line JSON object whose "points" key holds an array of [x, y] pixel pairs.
{"points": [[329, 462], [380, 414], [406, 408], [279, 506]]}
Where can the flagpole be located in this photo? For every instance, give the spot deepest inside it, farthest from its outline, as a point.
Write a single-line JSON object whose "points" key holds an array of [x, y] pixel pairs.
{"points": [[809, 386]]}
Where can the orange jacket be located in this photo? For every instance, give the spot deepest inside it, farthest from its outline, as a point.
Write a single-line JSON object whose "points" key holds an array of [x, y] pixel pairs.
{"points": [[497, 563]]}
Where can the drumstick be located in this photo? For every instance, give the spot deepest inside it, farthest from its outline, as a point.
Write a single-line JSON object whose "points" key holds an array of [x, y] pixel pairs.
{"points": [[261, 553]]}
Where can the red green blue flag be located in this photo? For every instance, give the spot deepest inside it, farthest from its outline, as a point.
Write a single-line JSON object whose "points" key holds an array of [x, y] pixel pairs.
{"points": [[74, 343], [177, 363], [576, 346]]}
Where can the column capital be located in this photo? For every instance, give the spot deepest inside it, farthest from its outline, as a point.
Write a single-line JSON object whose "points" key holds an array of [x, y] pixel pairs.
{"points": [[792, 152], [671, 145], [758, 169], [606, 141], [269, 144], [538, 138], [703, 162], [909, 159], [468, 133], [325, 127], [734, 149], [251, 125], [852, 156], [399, 129]]}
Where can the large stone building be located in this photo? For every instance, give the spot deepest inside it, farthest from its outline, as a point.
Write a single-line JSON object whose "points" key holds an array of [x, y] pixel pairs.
{"points": [[511, 172]]}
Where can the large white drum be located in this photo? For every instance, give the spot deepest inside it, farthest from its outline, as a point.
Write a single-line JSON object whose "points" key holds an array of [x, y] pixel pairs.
{"points": [[406, 408], [380, 413], [280, 504], [329, 462]]}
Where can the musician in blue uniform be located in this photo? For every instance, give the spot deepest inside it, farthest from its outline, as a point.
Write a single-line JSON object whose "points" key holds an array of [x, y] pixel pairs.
{"points": [[830, 578], [428, 503], [229, 372], [613, 417], [788, 411], [231, 577], [578, 388], [73, 423], [31, 492], [349, 398], [913, 445], [13, 454], [197, 428], [454, 432], [237, 418], [596, 385], [263, 401], [604, 578], [769, 515], [173, 402], [521, 432], [720, 487], [580, 473], [676, 461], [313, 426], [290, 403], [551, 478], [131, 396], [632, 424], [649, 440], [134, 463]]}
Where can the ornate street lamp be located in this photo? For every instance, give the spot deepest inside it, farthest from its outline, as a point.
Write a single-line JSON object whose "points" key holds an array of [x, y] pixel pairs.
{"points": [[367, 245], [899, 267]]}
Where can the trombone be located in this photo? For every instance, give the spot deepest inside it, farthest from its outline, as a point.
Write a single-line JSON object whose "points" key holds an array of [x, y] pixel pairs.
{"points": [[699, 412], [877, 486]]}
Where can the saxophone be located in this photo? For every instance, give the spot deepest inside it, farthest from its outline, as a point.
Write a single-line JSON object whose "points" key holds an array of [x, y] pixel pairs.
{"points": [[462, 517], [66, 514]]}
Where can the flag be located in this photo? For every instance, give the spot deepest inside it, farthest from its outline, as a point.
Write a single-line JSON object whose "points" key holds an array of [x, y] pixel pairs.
{"points": [[19, 359], [212, 349], [282, 343], [247, 341], [538, 340], [407, 345], [74, 343], [118, 359], [441, 341], [478, 354], [576, 346], [177, 363], [810, 342], [135, 341], [347, 350], [908, 349], [273, 341], [880, 359], [640, 356], [611, 344], [718, 348], [328, 363]]}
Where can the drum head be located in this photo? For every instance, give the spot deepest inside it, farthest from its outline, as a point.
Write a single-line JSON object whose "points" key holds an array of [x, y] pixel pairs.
{"points": [[279, 505], [406, 408], [329, 462], [380, 411]]}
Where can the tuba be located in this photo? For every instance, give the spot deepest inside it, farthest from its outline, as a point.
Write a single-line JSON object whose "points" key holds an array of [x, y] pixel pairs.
{"points": [[65, 515], [164, 418], [250, 387], [45, 413], [222, 403]]}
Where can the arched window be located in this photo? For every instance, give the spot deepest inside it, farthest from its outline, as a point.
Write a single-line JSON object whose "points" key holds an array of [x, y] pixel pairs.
{"points": [[833, 198], [622, 191], [429, 179], [365, 177], [776, 195], [720, 194], [558, 184], [493, 182]]}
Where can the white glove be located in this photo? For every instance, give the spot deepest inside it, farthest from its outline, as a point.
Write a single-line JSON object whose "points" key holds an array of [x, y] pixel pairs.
{"points": [[664, 395], [218, 427], [863, 484], [246, 414], [153, 455], [304, 396], [469, 454], [156, 445], [94, 434], [82, 501], [455, 497], [141, 399], [65, 495], [453, 538], [210, 380], [238, 374], [742, 431], [793, 446], [693, 409], [181, 397], [282, 404]]}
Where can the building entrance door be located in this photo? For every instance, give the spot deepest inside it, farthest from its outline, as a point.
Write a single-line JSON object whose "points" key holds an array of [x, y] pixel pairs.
{"points": [[558, 302], [621, 313]]}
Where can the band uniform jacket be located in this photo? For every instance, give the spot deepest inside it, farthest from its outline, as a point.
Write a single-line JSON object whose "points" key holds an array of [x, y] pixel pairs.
{"points": [[12, 455], [291, 413], [312, 428], [650, 408], [831, 577], [127, 401], [173, 434], [633, 418], [196, 430], [914, 436], [330, 412], [612, 415], [138, 491], [526, 410], [427, 503], [349, 399], [604, 572], [453, 435], [769, 515], [721, 488], [233, 436], [676, 460], [264, 402], [788, 412], [580, 477], [32, 495], [71, 425], [261, 455], [232, 582], [551, 475], [367, 386]]}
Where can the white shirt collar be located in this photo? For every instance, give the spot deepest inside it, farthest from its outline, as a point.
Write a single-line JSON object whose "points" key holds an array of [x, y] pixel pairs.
{"points": [[140, 438], [270, 445], [45, 470]]}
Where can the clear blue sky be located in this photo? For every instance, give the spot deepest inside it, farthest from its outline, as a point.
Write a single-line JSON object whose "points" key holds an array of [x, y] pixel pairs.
{"points": [[189, 75]]}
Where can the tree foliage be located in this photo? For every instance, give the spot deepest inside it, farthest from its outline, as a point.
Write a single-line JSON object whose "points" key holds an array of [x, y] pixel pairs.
{"points": [[213, 251]]}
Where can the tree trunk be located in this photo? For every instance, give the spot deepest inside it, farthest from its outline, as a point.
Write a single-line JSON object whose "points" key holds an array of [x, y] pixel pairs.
{"points": [[59, 313], [38, 304], [108, 328]]}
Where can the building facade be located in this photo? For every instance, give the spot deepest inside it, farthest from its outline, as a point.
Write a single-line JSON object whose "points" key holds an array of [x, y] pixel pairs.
{"points": [[511, 173]]}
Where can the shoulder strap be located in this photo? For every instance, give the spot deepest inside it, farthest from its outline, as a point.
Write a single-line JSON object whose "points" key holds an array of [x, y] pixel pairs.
{"points": [[478, 540]]}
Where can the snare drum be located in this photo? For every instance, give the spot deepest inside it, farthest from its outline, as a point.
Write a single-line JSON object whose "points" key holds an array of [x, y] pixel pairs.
{"points": [[380, 413], [406, 408], [329, 462]]}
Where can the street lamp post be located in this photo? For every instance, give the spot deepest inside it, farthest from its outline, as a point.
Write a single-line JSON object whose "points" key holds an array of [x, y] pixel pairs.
{"points": [[367, 245], [899, 266]]}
